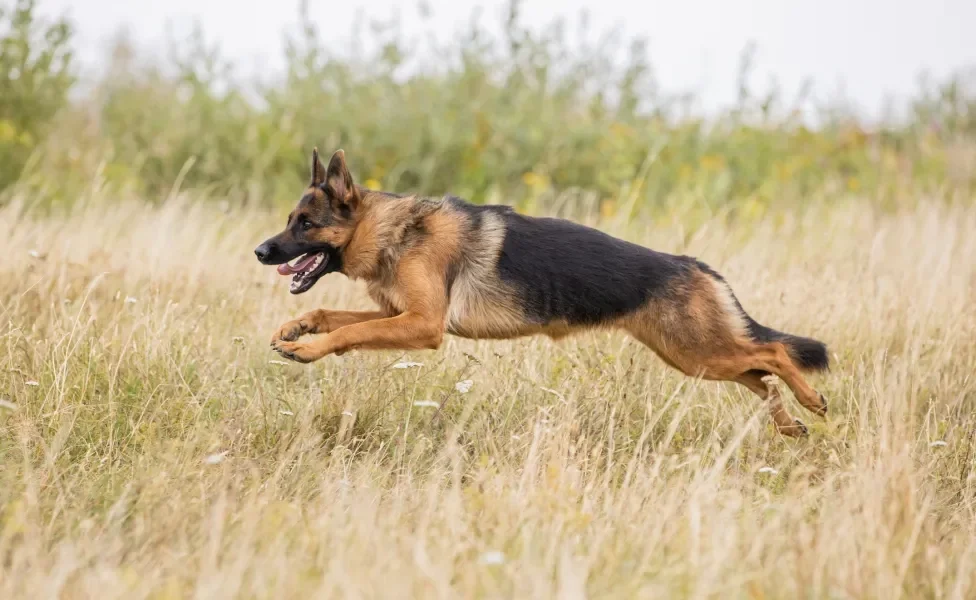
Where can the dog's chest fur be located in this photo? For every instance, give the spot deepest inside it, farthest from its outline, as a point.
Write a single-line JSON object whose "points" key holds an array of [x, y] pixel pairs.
{"points": [[480, 305]]}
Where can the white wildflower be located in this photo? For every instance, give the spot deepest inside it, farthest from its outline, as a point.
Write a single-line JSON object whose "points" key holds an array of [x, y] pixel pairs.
{"points": [[216, 459], [130, 300], [34, 253], [277, 362], [493, 557], [7, 404], [31, 383], [430, 403], [347, 413], [287, 413], [769, 470], [464, 386], [938, 444], [407, 364]]}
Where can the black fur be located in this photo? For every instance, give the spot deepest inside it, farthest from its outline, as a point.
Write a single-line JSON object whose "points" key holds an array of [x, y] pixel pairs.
{"points": [[564, 270]]}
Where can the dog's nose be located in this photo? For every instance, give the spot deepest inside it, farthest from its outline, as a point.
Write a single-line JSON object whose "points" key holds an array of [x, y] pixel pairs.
{"points": [[263, 251]]}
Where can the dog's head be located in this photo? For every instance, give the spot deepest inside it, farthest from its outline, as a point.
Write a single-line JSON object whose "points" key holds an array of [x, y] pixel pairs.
{"points": [[319, 228]]}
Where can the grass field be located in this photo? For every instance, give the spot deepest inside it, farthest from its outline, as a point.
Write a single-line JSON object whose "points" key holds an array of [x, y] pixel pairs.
{"points": [[153, 446]]}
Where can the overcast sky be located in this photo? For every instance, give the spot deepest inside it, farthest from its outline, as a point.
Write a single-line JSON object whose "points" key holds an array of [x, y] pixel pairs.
{"points": [[872, 49]]}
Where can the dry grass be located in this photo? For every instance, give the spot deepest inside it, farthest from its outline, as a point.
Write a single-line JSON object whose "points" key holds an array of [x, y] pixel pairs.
{"points": [[161, 452]]}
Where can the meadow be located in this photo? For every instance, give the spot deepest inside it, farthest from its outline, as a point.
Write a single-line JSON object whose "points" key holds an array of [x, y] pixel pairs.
{"points": [[152, 445]]}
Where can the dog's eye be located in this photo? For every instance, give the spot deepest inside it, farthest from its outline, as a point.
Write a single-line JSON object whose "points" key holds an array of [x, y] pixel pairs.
{"points": [[306, 224]]}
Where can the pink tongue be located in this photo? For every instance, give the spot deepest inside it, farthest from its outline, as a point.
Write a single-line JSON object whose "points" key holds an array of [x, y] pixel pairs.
{"points": [[286, 269]]}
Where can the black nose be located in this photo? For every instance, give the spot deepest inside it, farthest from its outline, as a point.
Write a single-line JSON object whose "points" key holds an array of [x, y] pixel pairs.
{"points": [[263, 251]]}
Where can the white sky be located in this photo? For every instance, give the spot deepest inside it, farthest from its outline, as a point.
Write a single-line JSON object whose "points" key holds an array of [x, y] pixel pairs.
{"points": [[871, 49]]}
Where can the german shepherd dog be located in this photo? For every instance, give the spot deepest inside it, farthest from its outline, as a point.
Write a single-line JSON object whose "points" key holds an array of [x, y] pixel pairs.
{"points": [[436, 265]]}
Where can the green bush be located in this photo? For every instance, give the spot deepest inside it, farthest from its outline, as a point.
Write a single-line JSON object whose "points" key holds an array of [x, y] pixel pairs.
{"points": [[516, 118], [35, 77]]}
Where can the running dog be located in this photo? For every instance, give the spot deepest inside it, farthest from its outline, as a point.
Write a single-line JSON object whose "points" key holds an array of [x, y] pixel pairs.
{"points": [[443, 265]]}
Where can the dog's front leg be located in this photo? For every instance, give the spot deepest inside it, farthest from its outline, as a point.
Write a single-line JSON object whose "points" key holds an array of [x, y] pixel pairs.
{"points": [[407, 331], [422, 286], [323, 321]]}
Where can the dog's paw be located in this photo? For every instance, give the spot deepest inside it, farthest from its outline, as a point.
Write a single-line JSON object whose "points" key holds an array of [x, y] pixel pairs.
{"points": [[815, 403], [797, 429], [290, 331], [303, 353]]}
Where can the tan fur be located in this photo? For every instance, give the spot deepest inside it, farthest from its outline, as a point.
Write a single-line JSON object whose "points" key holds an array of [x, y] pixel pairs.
{"points": [[378, 231], [782, 420], [482, 306], [727, 307], [687, 330], [324, 321]]}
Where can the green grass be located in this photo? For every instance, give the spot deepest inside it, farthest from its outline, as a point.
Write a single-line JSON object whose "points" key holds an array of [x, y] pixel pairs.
{"points": [[163, 454]]}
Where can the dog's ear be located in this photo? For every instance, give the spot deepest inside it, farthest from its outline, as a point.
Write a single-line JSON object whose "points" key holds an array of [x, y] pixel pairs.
{"points": [[318, 169], [339, 183]]}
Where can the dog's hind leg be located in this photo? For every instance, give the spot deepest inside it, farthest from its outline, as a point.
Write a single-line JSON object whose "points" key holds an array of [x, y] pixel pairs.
{"points": [[784, 422], [774, 358], [701, 330], [724, 360]]}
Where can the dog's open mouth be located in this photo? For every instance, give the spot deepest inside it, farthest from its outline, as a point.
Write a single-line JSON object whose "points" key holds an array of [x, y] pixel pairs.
{"points": [[306, 270]]}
